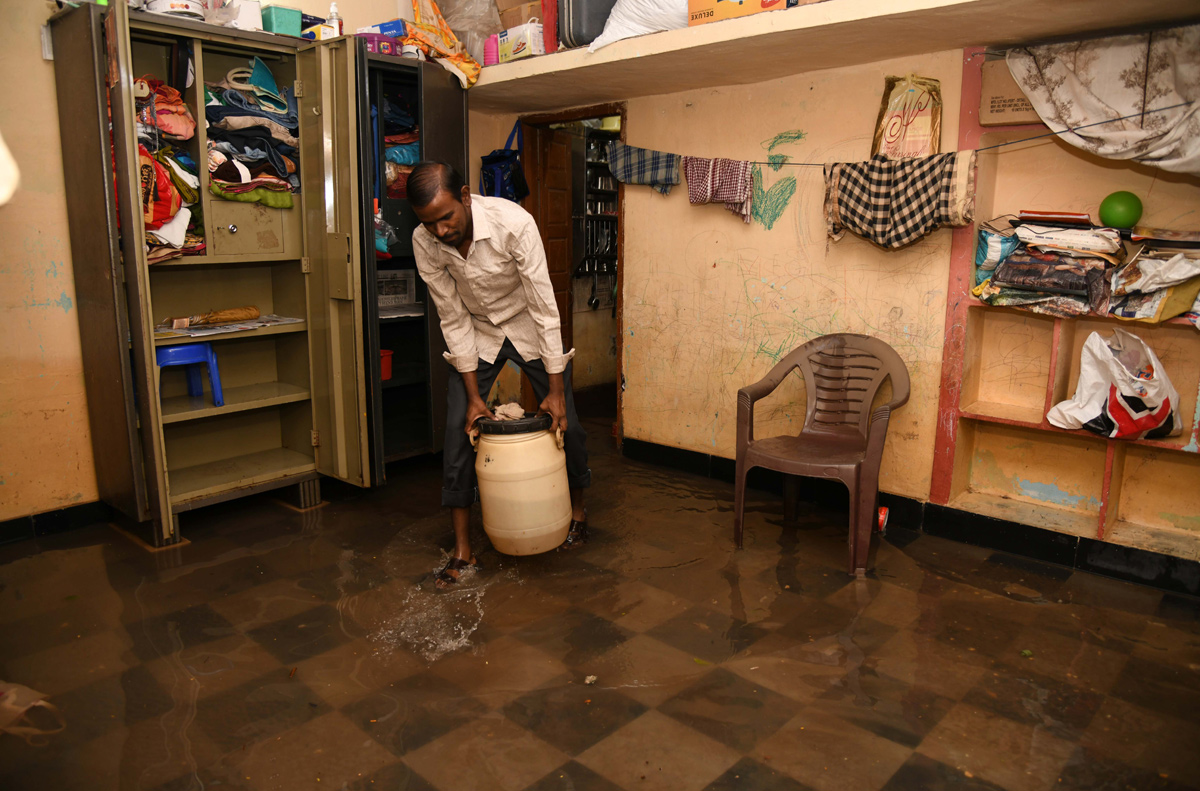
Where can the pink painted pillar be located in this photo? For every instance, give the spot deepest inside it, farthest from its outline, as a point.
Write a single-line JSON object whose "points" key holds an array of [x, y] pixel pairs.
{"points": [[958, 290]]}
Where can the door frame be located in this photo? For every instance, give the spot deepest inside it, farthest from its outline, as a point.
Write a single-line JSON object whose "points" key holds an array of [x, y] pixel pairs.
{"points": [[580, 114]]}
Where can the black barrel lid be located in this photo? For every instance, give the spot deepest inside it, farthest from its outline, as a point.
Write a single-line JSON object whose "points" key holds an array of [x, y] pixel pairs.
{"points": [[526, 425]]}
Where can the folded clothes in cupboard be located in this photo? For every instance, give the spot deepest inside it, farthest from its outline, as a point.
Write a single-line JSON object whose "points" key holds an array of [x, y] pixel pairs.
{"points": [[252, 127], [170, 185]]}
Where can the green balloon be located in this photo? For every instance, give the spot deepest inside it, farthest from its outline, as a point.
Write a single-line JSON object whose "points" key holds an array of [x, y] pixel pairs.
{"points": [[1121, 210]]}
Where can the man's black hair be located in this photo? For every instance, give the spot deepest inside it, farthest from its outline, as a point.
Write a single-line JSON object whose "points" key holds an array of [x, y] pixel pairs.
{"points": [[431, 177]]}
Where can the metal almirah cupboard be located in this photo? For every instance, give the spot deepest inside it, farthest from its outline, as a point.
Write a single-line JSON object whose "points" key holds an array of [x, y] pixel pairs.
{"points": [[406, 414], [299, 398]]}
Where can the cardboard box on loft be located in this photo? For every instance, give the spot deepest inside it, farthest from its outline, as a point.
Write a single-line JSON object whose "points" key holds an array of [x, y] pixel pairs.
{"points": [[545, 11], [1001, 101], [521, 42], [520, 14], [703, 11]]}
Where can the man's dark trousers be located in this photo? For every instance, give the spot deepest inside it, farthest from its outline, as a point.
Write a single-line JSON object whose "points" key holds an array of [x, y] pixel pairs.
{"points": [[458, 459]]}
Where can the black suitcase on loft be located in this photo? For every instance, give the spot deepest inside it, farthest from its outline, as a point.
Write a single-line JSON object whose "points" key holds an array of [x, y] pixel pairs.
{"points": [[580, 22]]}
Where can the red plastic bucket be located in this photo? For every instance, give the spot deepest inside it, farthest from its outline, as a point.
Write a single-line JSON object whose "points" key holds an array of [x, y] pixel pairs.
{"points": [[385, 364]]}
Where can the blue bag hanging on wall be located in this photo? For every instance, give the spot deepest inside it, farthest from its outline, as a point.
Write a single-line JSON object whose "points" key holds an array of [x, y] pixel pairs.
{"points": [[500, 172]]}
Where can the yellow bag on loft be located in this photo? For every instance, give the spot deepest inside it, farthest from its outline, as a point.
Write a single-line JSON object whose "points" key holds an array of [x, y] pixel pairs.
{"points": [[434, 37]]}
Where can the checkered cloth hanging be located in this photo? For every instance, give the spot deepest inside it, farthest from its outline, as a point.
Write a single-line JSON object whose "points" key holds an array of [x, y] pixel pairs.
{"points": [[725, 181], [895, 202], [632, 165]]}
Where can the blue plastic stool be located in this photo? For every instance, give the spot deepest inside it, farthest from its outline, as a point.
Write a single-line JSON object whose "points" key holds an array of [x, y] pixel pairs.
{"points": [[193, 355]]}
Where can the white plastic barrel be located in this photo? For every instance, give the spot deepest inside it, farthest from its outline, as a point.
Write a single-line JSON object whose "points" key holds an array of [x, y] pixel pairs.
{"points": [[523, 492]]}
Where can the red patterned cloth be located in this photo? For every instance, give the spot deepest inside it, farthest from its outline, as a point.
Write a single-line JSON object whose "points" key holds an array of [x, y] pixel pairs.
{"points": [[725, 181]]}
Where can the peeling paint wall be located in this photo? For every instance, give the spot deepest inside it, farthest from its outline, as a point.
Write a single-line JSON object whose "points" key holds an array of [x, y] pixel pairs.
{"points": [[595, 361], [1042, 469], [711, 303]]}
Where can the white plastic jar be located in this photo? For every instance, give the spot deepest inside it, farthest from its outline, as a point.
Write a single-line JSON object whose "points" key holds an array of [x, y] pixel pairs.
{"points": [[522, 473]]}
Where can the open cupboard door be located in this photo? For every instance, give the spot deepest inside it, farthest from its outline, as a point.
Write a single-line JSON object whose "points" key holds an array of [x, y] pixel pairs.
{"points": [[150, 503], [327, 99], [443, 137]]}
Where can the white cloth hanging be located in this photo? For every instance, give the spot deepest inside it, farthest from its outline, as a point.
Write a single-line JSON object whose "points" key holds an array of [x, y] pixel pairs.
{"points": [[1079, 83]]}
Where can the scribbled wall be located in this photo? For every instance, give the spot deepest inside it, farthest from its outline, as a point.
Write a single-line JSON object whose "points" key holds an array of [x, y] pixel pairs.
{"points": [[595, 335], [711, 303]]}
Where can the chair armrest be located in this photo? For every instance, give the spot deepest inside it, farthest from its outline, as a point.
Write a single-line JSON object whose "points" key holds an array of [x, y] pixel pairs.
{"points": [[746, 398], [877, 431], [760, 389]]}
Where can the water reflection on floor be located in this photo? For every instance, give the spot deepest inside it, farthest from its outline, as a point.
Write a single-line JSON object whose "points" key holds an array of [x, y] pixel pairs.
{"points": [[289, 650]]}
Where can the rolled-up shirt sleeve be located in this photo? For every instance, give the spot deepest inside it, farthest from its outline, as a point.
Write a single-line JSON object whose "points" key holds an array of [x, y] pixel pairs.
{"points": [[539, 294], [457, 329]]}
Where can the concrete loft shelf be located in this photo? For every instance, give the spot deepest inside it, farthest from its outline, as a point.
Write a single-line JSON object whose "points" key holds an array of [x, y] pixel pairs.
{"points": [[776, 44]]}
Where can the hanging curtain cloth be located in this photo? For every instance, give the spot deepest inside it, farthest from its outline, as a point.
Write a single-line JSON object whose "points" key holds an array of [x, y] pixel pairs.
{"points": [[1084, 82]]}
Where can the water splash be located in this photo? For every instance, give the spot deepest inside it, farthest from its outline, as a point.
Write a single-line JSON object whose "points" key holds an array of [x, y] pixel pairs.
{"points": [[433, 623]]}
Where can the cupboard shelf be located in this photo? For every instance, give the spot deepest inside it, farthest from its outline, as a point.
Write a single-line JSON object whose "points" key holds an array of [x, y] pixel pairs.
{"points": [[995, 413], [1178, 321], [277, 329], [1012, 414], [176, 409], [216, 477], [225, 260]]}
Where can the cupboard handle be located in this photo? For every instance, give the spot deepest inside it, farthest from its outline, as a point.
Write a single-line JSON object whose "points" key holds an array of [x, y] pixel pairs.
{"points": [[232, 228]]}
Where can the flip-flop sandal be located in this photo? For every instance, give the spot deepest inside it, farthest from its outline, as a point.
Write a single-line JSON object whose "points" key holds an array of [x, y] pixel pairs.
{"points": [[577, 535], [456, 564]]}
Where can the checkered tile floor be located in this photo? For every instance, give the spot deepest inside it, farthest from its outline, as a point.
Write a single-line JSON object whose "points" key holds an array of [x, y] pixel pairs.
{"points": [[286, 650]]}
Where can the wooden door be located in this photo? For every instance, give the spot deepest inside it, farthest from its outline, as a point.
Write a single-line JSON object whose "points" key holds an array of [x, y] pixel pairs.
{"points": [[329, 173], [547, 160]]}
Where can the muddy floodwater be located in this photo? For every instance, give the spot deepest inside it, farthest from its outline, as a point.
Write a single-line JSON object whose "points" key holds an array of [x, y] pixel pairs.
{"points": [[294, 650]]}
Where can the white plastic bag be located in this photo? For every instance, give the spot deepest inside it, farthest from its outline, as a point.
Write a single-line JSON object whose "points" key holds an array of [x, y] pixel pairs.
{"points": [[1145, 274], [472, 22], [631, 18], [1123, 391], [1076, 242], [16, 703]]}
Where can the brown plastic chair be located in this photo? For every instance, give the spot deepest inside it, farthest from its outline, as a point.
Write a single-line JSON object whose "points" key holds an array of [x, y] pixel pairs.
{"points": [[842, 373]]}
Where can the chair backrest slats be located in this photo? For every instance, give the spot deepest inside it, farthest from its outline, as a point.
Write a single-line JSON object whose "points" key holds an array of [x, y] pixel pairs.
{"points": [[842, 373]]}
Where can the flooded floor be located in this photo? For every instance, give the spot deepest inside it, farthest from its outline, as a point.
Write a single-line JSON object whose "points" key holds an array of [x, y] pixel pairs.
{"points": [[289, 650]]}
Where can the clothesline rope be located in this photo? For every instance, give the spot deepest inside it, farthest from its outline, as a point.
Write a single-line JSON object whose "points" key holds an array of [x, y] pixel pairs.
{"points": [[1001, 145]]}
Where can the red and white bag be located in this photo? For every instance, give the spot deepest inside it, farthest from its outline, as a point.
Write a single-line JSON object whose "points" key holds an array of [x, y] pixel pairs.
{"points": [[1123, 391], [160, 199]]}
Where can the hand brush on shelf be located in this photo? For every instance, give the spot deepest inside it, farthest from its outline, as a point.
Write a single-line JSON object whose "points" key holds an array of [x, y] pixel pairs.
{"points": [[212, 318]]}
